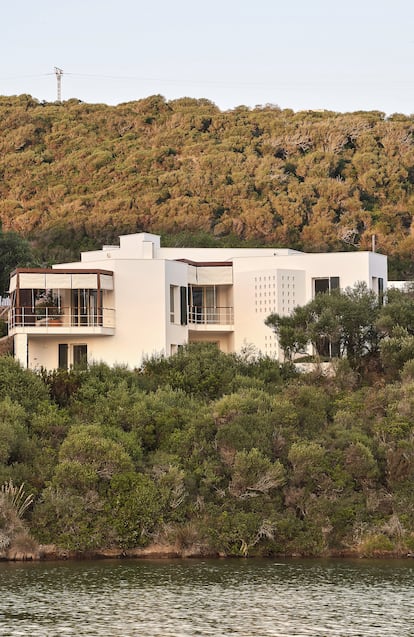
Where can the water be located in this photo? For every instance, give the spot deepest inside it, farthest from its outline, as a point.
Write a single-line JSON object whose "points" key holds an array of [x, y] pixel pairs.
{"points": [[224, 598]]}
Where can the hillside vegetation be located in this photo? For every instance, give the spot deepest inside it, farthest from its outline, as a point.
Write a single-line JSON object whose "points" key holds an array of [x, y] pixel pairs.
{"points": [[208, 453], [205, 453], [77, 175]]}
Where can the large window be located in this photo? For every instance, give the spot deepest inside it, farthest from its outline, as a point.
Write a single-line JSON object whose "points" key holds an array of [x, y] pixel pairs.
{"points": [[72, 355], [325, 285], [327, 348], [203, 304], [85, 307]]}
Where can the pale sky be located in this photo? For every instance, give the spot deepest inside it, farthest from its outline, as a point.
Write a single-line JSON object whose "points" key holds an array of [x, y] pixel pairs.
{"points": [[303, 54]]}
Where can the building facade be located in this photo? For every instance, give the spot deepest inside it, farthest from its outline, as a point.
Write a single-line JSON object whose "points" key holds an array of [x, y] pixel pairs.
{"points": [[127, 302]]}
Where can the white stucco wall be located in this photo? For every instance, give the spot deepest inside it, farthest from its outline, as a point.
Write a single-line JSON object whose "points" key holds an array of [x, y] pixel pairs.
{"points": [[259, 282], [142, 312], [259, 293]]}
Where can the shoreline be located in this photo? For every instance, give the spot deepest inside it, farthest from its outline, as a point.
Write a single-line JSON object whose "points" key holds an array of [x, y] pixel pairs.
{"points": [[50, 552]]}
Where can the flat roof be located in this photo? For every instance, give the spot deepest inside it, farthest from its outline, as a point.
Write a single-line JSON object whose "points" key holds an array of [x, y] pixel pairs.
{"points": [[206, 264], [60, 271]]}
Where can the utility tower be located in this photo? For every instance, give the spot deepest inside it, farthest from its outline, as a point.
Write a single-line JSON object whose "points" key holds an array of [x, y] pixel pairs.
{"points": [[59, 73]]}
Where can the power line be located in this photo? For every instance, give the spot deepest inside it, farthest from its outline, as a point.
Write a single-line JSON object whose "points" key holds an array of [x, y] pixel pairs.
{"points": [[23, 77], [229, 83], [269, 84]]}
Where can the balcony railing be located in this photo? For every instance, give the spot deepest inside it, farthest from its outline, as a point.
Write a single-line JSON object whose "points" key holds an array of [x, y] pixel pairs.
{"points": [[198, 315], [64, 317]]}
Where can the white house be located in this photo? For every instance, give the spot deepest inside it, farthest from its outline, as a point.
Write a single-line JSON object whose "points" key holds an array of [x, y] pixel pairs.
{"points": [[124, 303]]}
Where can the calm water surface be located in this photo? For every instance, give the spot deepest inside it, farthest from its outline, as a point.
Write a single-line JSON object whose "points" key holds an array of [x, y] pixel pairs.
{"points": [[246, 598]]}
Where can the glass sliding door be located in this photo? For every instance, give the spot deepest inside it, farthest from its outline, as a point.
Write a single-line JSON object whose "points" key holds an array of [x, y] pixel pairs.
{"points": [[203, 304], [85, 309], [196, 304], [210, 304]]}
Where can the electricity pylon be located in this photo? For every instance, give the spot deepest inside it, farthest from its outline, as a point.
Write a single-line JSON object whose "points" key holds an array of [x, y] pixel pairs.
{"points": [[59, 73]]}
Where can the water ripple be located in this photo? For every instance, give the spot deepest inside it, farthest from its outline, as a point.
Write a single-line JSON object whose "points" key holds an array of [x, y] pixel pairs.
{"points": [[245, 598]]}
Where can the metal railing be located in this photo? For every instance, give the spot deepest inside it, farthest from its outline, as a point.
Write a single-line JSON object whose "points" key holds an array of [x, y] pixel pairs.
{"points": [[199, 315], [60, 317]]}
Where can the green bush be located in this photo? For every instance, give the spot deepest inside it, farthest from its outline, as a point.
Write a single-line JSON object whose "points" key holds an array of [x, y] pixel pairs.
{"points": [[375, 545]]}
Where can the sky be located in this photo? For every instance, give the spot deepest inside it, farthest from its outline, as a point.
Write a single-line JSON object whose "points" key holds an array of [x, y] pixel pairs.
{"points": [[299, 54]]}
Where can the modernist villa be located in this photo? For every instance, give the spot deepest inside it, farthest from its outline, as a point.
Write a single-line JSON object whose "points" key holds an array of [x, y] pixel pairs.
{"points": [[129, 301]]}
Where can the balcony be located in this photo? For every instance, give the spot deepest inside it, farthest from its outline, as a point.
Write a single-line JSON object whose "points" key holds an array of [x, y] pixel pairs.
{"points": [[204, 318], [65, 320]]}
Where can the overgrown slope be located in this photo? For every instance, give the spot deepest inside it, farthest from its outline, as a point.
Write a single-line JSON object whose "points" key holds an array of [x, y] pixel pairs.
{"points": [[210, 453], [77, 175]]}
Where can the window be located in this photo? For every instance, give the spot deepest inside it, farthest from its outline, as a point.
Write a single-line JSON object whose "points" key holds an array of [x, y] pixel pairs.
{"points": [[327, 285], [80, 356], [172, 303], [72, 356], [327, 348], [381, 290], [183, 305], [85, 304], [334, 283], [178, 305], [63, 357], [203, 304]]}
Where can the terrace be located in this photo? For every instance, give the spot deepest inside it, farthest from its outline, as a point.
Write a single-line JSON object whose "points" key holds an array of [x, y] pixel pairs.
{"points": [[61, 302]]}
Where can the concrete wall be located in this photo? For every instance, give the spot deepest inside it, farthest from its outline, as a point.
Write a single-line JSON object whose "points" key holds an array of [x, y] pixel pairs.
{"points": [[260, 282]]}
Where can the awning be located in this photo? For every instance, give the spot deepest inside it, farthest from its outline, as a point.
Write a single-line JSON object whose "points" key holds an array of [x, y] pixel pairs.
{"points": [[63, 281], [84, 281], [107, 282], [50, 280], [32, 280]]}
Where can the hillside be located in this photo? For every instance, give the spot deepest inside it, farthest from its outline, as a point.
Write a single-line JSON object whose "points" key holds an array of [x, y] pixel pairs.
{"points": [[76, 175]]}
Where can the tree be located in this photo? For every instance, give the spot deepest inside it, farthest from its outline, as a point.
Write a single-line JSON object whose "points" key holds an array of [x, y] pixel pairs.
{"points": [[396, 350], [14, 252], [336, 324], [398, 311], [360, 336]]}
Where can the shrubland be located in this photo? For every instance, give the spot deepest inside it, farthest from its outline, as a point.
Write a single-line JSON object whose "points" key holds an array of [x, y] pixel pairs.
{"points": [[213, 454], [75, 176]]}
